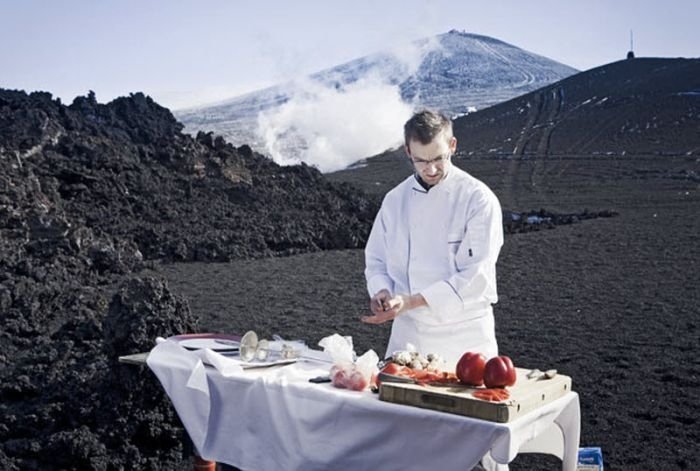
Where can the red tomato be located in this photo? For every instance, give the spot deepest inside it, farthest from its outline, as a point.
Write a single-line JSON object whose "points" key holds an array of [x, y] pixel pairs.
{"points": [[499, 372], [470, 368], [356, 381], [339, 376], [348, 376]]}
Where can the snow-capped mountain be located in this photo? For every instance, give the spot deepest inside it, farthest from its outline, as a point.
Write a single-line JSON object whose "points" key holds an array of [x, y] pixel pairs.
{"points": [[455, 72]]}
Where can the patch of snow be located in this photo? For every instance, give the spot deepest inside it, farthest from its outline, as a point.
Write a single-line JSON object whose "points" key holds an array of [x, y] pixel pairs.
{"points": [[470, 109], [537, 220]]}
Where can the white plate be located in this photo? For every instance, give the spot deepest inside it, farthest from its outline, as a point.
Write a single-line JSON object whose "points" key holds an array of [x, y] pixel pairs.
{"points": [[218, 345]]}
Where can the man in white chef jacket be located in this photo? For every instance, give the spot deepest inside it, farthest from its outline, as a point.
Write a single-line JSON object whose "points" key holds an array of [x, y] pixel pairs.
{"points": [[431, 256]]}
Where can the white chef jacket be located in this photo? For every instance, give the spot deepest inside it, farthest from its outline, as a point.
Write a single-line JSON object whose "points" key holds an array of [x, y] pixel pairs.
{"points": [[442, 243]]}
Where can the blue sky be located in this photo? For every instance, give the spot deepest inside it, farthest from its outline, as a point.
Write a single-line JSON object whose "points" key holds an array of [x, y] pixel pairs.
{"points": [[189, 52]]}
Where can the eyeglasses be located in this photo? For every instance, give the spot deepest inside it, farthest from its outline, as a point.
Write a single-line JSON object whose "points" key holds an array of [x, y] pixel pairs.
{"points": [[439, 160]]}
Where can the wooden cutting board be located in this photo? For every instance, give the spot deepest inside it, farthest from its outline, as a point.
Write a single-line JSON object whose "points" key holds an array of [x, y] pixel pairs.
{"points": [[525, 396]]}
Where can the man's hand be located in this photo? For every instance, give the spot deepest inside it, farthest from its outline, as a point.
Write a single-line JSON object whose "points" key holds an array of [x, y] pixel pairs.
{"points": [[385, 307], [379, 302]]}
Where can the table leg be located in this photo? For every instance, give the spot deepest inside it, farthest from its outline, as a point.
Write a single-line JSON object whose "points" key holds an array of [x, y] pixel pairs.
{"points": [[569, 421], [200, 464]]}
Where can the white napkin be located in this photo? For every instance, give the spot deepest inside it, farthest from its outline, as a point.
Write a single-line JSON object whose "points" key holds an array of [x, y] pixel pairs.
{"points": [[170, 350], [172, 364], [228, 367]]}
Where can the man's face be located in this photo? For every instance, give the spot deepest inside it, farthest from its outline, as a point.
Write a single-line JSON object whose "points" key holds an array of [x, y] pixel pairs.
{"points": [[432, 161]]}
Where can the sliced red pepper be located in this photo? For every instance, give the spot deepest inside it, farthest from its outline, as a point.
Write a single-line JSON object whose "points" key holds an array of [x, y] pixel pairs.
{"points": [[492, 394]]}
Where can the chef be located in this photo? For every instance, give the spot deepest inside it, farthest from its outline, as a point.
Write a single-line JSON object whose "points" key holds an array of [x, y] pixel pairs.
{"points": [[431, 256]]}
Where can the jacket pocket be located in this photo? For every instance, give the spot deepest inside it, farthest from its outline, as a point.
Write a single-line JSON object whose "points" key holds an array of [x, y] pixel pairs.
{"points": [[454, 242]]}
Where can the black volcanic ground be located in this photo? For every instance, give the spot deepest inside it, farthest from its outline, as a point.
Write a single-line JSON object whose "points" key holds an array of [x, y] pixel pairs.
{"points": [[98, 201], [90, 194]]}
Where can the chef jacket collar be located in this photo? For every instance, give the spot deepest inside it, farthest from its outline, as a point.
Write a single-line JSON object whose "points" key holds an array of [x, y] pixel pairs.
{"points": [[422, 183], [425, 186]]}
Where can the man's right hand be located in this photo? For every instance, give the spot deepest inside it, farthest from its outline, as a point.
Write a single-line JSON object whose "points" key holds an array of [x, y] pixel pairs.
{"points": [[384, 307], [380, 302]]}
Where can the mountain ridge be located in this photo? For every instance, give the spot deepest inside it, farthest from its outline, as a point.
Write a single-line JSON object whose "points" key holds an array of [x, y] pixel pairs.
{"points": [[455, 72], [330, 70], [643, 108], [639, 106]]}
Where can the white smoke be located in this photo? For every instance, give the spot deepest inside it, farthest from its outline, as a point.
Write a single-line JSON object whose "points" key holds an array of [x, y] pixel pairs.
{"points": [[411, 55], [331, 127]]}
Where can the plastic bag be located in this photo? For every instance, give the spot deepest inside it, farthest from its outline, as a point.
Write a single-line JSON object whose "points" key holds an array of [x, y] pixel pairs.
{"points": [[346, 373]]}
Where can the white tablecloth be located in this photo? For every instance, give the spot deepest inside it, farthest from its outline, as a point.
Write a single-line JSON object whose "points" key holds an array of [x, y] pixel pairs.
{"points": [[274, 419]]}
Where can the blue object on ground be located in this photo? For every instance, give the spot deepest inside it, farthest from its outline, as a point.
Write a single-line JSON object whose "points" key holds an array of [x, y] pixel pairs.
{"points": [[590, 459]]}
